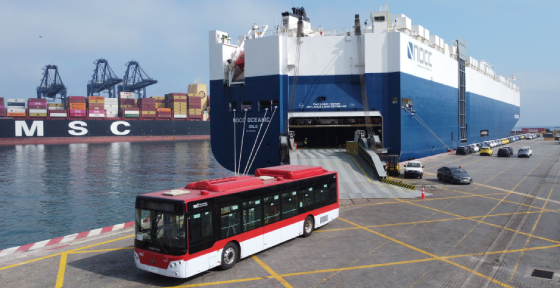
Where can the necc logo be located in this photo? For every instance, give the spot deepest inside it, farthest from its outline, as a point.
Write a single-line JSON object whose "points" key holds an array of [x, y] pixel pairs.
{"points": [[419, 54]]}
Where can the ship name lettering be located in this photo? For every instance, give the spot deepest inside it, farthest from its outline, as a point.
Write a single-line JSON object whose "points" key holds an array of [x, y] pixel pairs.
{"points": [[36, 126], [115, 130], [78, 128], [419, 54]]}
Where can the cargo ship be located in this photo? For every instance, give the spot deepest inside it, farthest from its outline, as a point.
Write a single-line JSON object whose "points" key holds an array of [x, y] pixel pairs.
{"points": [[409, 92], [81, 119]]}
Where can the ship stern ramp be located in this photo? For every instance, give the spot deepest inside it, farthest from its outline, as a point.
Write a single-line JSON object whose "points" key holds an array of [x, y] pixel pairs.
{"points": [[356, 180]]}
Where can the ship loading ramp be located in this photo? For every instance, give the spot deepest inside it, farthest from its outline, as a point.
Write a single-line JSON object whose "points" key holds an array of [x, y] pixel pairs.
{"points": [[356, 180]]}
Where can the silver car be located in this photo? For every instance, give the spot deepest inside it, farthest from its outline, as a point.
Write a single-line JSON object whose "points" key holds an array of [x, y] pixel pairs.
{"points": [[524, 151]]}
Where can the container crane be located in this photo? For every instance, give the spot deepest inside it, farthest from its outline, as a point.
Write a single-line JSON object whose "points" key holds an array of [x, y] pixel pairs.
{"points": [[51, 84], [103, 79], [136, 80]]}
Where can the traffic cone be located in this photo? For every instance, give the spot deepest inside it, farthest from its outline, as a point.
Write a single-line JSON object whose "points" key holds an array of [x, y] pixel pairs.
{"points": [[423, 196]]}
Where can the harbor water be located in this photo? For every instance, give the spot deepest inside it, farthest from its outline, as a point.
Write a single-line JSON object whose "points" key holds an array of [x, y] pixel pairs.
{"points": [[49, 191]]}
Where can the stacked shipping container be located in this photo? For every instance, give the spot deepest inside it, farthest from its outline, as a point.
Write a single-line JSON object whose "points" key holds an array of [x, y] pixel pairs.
{"points": [[2, 108], [148, 107], [178, 104], [96, 107], [57, 110], [111, 107], [16, 108], [76, 106], [191, 106], [127, 104]]}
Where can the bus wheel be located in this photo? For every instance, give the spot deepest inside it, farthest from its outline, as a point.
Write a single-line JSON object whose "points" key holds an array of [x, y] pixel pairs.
{"points": [[308, 226], [229, 255]]}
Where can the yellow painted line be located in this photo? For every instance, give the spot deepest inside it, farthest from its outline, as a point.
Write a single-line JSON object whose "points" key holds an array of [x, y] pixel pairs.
{"points": [[371, 204], [219, 282], [356, 267], [518, 193], [532, 230], [272, 273], [512, 202], [360, 168], [430, 254], [61, 270], [503, 251], [460, 158], [485, 216], [102, 250], [49, 256], [501, 227]]}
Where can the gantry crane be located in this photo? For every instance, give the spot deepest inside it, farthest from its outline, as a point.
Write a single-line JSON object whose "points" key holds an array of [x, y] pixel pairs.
{"points": [[51, 84], [103, 79], [136, 80]]}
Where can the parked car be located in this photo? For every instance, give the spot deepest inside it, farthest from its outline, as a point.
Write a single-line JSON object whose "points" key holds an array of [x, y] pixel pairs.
{"points": [[486, 151], [413, 169], [474, 148], [455, 175], [524, 151], [504, 152], [462, 150]]}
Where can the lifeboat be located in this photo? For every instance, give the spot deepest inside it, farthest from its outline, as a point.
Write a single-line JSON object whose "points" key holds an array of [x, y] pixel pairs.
{"points": [[240, 62]]}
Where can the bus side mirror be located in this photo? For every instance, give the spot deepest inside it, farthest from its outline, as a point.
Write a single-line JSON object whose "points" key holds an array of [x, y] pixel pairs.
{"points": [[422, 166], [404, 165]]}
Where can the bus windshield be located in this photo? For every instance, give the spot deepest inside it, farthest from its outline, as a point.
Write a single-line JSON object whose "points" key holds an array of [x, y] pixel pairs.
{"points": [[160, 232]]}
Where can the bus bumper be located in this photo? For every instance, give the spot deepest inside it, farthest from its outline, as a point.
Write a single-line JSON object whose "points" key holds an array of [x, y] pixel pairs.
{"points": [[177, 269]]}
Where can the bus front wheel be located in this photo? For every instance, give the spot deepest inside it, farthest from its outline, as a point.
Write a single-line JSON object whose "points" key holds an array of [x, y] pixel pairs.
{"points": [[230, 254], [308, 226]]}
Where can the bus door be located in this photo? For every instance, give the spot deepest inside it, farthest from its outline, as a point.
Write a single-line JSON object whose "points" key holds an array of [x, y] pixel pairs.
{"points": [[272, 233]]}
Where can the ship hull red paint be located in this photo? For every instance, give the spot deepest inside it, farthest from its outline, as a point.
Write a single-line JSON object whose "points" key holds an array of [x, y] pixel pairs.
{"points": [[97, 139]]}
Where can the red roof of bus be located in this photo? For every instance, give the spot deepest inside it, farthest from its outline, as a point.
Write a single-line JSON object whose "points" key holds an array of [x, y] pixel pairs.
{"points": [[222, 186]]}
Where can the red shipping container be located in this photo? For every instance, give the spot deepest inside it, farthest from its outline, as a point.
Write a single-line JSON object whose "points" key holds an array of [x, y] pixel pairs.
{"points": [[37, 100], [77, 114]]}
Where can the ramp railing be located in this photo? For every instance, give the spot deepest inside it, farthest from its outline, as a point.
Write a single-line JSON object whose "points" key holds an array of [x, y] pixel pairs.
{"points": [[370, 158]]}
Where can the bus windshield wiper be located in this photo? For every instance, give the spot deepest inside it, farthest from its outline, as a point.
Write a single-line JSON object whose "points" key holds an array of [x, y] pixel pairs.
{"points": [[155, 231]]}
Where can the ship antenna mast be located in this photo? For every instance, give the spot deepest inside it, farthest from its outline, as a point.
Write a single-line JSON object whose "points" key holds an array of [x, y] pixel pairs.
{"points": [[361, 64]]}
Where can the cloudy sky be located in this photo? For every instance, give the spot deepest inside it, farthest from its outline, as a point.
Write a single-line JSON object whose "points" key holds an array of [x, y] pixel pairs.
{"points": [[169, 38]]}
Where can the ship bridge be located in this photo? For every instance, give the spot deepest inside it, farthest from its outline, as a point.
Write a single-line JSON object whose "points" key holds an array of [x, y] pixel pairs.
{"points": [[333, 129]]}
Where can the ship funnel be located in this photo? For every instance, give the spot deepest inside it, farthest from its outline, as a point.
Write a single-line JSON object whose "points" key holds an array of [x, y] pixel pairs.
{"points": [[357, 29]]}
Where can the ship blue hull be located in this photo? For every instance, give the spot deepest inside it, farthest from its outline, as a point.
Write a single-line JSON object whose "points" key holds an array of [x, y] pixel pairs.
{"points": [[435, 104]]}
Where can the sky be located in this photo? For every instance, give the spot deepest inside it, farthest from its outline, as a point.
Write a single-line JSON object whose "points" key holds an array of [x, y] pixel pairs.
{"points": [[169, 39]]}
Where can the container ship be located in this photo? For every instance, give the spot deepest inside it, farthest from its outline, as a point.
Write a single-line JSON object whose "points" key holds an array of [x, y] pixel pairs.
{"points": [[409, 92], [81, 119]]}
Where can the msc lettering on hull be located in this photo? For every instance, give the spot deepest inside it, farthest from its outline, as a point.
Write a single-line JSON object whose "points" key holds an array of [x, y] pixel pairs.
{"points": [[37, 126], [75, 128]]}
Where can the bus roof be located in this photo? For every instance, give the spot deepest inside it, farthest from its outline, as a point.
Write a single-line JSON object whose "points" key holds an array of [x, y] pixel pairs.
{"points": [[217, 187]]}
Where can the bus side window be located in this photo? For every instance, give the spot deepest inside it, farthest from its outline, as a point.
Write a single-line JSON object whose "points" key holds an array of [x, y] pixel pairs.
{"points": [[332, 192], [200, 226], [306, 199], [289, 204], [321, 195], [230, 221], [252, 214], [271, 209]]}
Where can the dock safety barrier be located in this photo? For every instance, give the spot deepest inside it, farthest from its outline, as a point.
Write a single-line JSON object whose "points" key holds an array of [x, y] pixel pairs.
{"points": [[398, 183]]}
